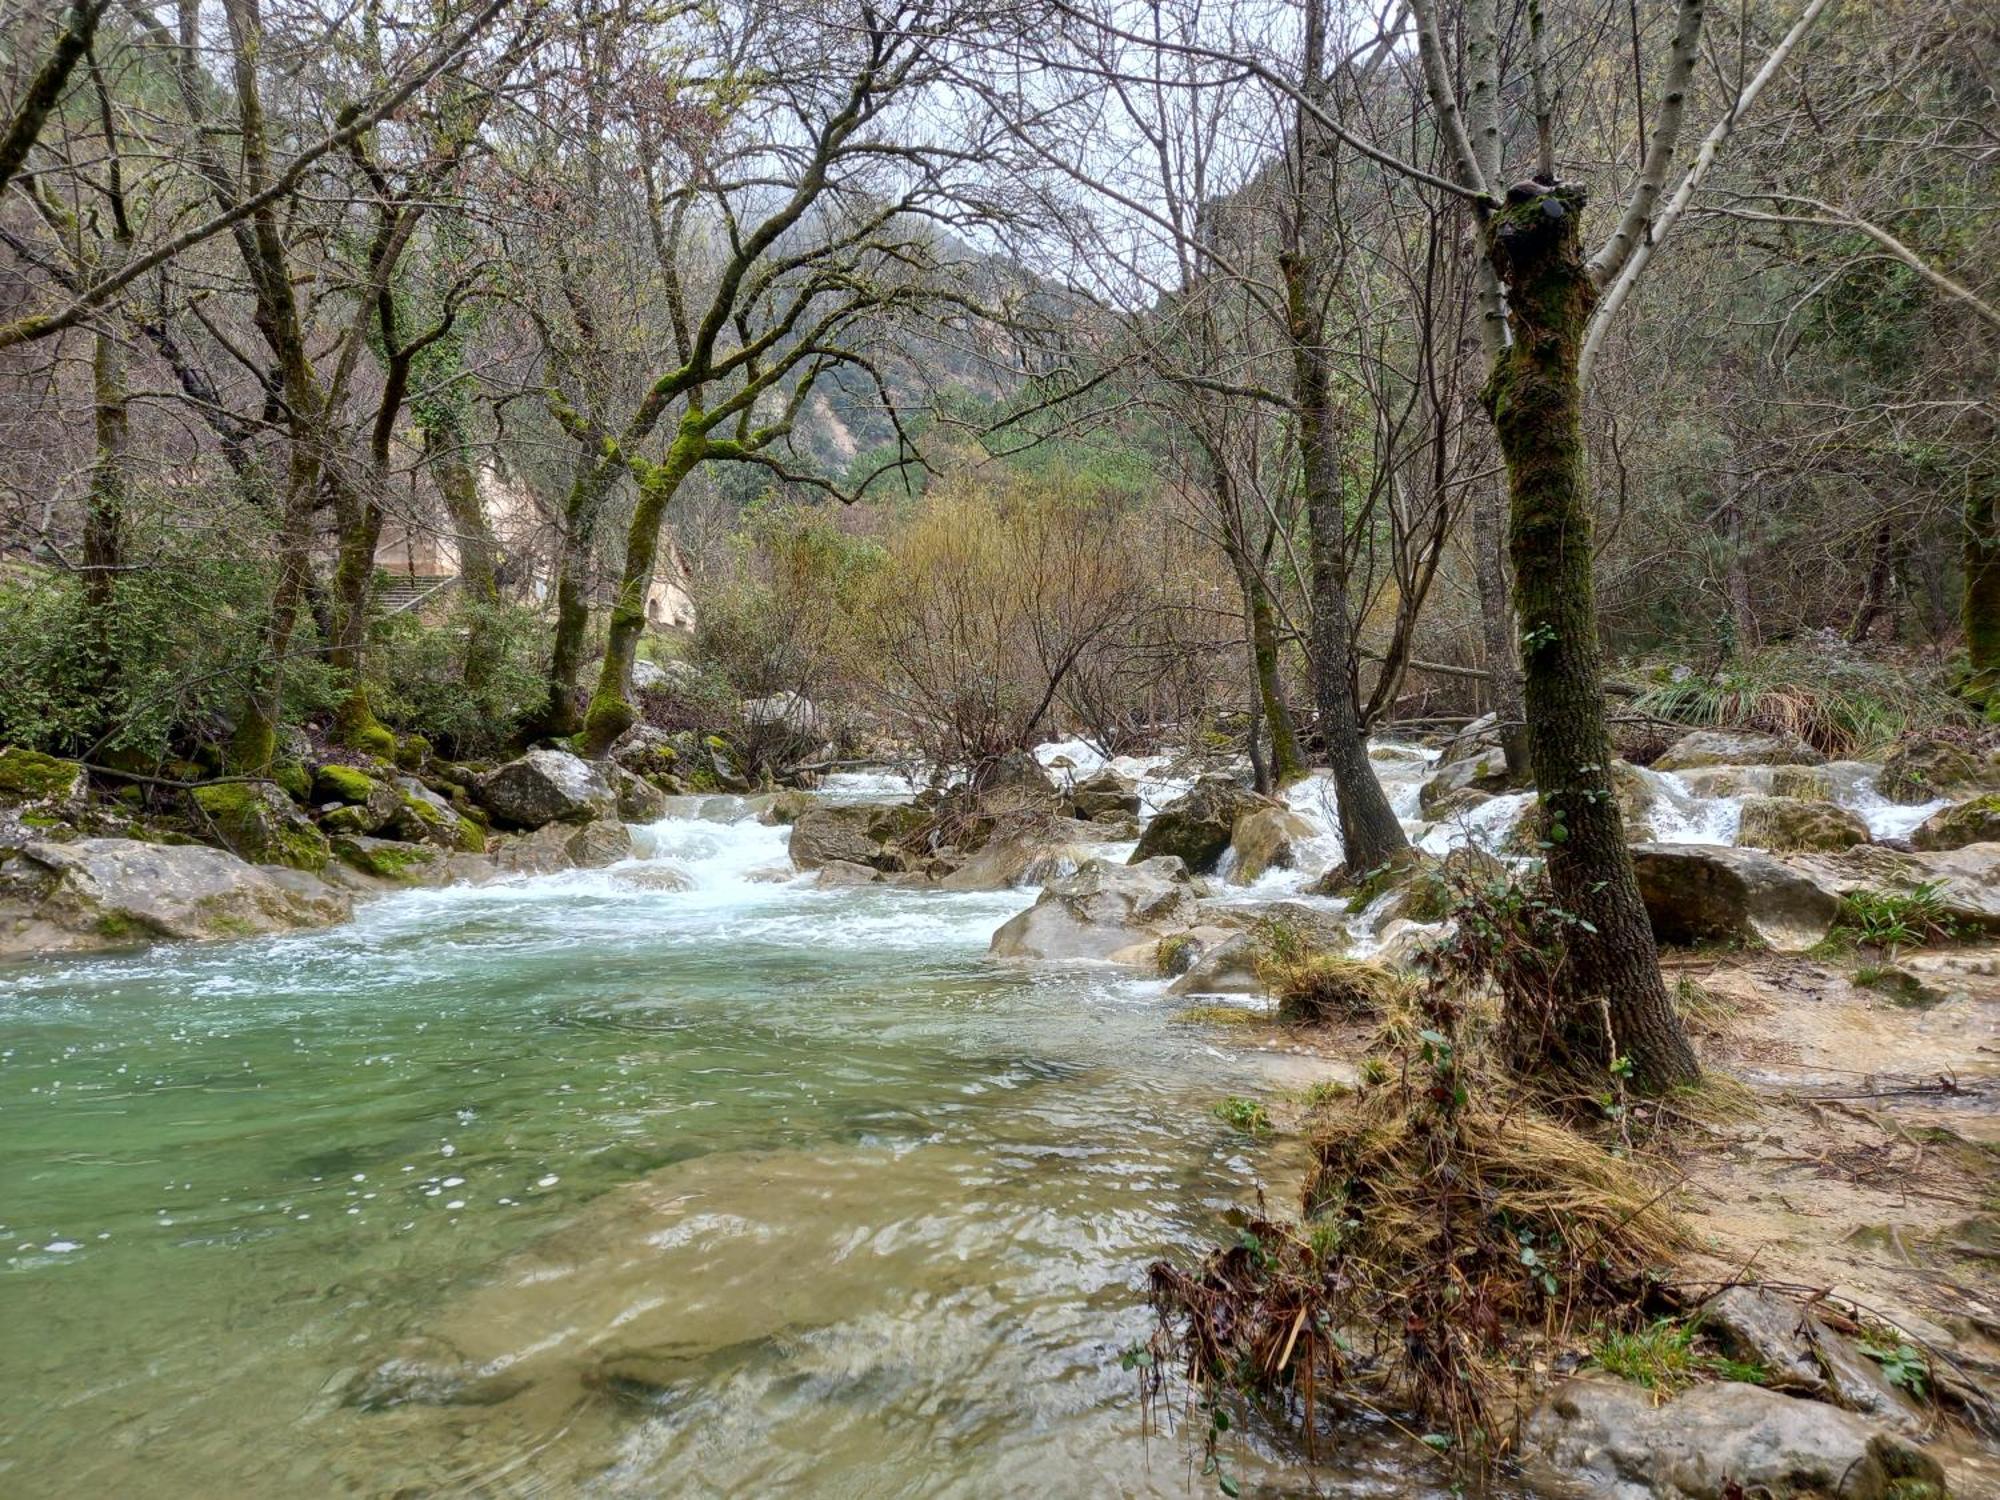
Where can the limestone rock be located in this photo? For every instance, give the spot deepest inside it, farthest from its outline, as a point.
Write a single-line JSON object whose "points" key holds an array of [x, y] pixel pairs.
{"points": [[1788, 824], [1801, 1354], [1227, 966], [1266, 838], [258, 822], [31, 779], [840, 872], [423, 817], [1196, 828], [1483, 772], [782, 808], [543, 787], [1007, 862], [861, 833], [639, 801], [596, 845], [1100, 909], [1104, 794], [391, 860], [1736, 747], [1706, 893], [1965, 881], [1608, 1440], [646, 751], [1973, 821], [97, 892], [1918, 770]]}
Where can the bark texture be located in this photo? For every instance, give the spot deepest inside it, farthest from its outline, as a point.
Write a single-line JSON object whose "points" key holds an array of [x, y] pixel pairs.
{"points": [[1617, 1003]]}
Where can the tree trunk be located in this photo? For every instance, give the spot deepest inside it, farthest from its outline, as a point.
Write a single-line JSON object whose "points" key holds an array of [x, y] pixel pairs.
{"points": [[1875, 591], [1496, 622], [1288, 762], [611, 713], [1370, 834], [478, 552], [1616, 1002], [355, 725], [558, 717], [1982, 582], [1736, 576], [104, 519]]}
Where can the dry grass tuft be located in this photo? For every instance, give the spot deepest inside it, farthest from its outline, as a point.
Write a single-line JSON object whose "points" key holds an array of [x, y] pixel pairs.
{"points": [[1327, 987]]}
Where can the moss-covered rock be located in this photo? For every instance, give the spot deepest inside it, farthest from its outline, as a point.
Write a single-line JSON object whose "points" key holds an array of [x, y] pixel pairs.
{"points": [[413, 752], [389, 859], [1791, 825], [343, 784], [30, 776], [1483, 772], [294, 779], [1973, 821], [1918, 770], [1736, 747], [1802, 783], [259, 823], [1196, 828]]}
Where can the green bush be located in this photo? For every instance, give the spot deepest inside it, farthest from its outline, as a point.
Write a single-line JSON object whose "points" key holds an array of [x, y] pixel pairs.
{"points": [[417, 677]]}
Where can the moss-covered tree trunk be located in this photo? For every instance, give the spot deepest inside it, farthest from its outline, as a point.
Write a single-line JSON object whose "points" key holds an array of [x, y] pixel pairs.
{"points": [[355, 724], [611, 712], [1288, 762], [558, 717], [1496, 623], [104, 515], [1617, 1002]]}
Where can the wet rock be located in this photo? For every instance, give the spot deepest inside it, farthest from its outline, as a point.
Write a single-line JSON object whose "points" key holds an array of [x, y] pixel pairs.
{"points": [[1196, 828], [1104, 794], [1973, 821], [1225, 966], [861, 833], [362, 803], [1964, 882], [1736, 747], [639, 801], [1101, 909], [782, 808], [596, 845], [1800, 1353], [1918, 770], [1717, 1442], [397, 862], [646, 751], [1266, 838], [1004, 863], [1789, 824], [1484, 772], [543, 787], [421, 816], [95, 893], [841, 872], [655, 877], [1697, 893], [260, 823]]}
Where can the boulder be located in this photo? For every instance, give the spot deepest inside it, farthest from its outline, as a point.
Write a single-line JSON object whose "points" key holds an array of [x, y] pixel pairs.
{"points": [[1922, 769], [1483, 772], [861, 833], [1100, 909], [1007, 862], [1736, 747], [360, 803], [258, 822], [1800, 1353], [793, 712], [42, 782], [1964, 882], [392, 860], [1609, 1440], [639, 801], [1789, 824], [421, 816], [1266, 838], [1973, 821], [1015, 786], [650, 677], [1196, 828], [646, 751], [840, 872], [543, 787], [596, 845], [97, 892], [780, 809], [1698, 893], [1105, 795], [1224, 966]]}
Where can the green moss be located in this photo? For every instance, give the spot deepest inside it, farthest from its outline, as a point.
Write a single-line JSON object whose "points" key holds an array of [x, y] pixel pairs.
{"points": [[1247, 1115], [342, 784], [1216, 1015], [119, 928], [412, 751], [243, 813], [295, 779], [404, 864], [471, 837], [1169, 949], [30, 776]]}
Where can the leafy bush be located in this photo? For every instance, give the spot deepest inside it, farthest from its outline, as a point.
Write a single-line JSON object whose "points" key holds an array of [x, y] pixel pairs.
{"points": [[417, 676]]}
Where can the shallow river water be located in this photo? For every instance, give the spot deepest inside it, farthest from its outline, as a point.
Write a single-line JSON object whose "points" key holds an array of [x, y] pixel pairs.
{"points": [[738, 1189]]}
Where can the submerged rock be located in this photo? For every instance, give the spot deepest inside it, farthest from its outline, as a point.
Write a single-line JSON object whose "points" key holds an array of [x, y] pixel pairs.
{"points": [[1101, 909], [94, 893], [543, 787], [1196, 828], [1788, 824], [1608, 1440], [1702, 893], [1736, 747]]}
